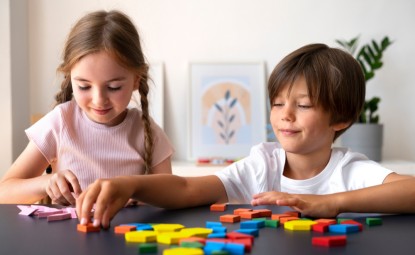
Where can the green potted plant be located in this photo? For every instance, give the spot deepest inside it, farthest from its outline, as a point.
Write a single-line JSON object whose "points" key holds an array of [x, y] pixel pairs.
{"points": [[366, 135]]}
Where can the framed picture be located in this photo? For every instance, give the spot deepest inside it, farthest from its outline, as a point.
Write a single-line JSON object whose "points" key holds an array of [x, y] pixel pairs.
{"points": [[156, 93], [227, 109]]}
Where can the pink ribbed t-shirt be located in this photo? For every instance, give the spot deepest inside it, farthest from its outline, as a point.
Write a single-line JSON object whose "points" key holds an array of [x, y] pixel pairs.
{"points": [[70, 140]]}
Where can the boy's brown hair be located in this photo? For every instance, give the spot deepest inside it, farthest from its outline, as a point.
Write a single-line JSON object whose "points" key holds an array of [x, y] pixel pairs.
{"points": [[335, 81]]}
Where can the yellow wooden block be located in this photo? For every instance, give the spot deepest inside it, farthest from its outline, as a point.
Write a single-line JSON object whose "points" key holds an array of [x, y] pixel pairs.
{"points": [[183, 251], [198, 232], [162, 228], [141, 236], [171, 237], [299, 225]]}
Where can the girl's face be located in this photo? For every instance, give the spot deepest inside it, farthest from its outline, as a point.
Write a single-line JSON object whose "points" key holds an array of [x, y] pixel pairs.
{"points": [[301, 128], [102, 88]]}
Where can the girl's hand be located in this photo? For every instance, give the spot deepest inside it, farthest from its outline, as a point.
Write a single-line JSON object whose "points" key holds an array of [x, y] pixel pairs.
{"points": [[309, 205], [60, 187], [109, 196]]}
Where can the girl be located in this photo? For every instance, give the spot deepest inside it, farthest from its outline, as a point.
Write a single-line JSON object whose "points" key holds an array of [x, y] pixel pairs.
{"points": [[91, 133]]}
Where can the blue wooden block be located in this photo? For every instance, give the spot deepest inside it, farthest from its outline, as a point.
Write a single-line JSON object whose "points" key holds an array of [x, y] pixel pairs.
{"points": [[235, 248], [253, 224], [217, 235], [249, 231], [343, 228], [219, 229], [213, 224]]}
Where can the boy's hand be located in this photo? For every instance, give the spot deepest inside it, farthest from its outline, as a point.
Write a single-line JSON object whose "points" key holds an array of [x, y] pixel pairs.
{"points": [[310, 205], [60, 187], [109, 196]]}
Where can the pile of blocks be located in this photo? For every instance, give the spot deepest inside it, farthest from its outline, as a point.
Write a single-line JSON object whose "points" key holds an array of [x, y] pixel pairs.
{"points": [[215, 239], [49, 213]]}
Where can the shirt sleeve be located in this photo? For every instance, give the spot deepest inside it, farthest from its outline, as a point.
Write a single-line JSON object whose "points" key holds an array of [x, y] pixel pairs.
{"points": [[45, 134], [162, 146]]}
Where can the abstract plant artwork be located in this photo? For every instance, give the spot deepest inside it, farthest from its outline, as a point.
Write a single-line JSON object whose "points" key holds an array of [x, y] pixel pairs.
{"points": [[227, 109]]}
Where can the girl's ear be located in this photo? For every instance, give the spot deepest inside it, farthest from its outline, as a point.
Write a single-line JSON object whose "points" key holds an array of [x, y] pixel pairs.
{"points": [[340, 126]]}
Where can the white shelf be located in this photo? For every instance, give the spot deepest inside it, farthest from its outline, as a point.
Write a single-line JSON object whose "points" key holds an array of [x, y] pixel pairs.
{"points": [[186, 168]]}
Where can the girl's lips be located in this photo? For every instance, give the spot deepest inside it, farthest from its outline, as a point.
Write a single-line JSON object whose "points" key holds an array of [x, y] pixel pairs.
{"points": [[101, 112]]}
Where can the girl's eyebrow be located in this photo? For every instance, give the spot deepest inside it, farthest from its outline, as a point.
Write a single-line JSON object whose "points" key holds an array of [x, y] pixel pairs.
{"points": [[111, 80]]}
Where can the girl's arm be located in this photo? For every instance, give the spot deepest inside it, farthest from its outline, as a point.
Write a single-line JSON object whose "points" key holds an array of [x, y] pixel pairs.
{"points": [[162, 190], [24, 182], [163, 168]]}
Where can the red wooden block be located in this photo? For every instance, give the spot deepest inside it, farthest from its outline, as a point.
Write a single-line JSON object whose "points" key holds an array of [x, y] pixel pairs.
{"points": [[293, 213], [329, 241], [124, 229], [264, 212], [353, 222], [218, 207], [330, 221], [230, 218], [237, 235], [247, 242], [320, 227], [87, 228]]}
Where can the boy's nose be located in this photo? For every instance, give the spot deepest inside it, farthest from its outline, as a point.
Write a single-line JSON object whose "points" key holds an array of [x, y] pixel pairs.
{"points": [[287, 113]]}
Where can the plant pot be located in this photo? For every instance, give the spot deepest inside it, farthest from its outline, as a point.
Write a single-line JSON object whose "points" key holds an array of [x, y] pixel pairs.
{"points": [[366, 139]]}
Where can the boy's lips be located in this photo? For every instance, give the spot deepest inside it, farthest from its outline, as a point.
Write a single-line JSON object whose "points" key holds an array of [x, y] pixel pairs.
{"points": [[289, 131]]}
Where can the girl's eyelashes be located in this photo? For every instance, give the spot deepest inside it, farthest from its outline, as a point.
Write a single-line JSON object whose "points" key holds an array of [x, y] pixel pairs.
{"points": [[114, 88], [83, 87]]}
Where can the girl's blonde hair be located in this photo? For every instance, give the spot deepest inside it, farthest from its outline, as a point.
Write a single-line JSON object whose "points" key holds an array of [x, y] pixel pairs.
{"points": [[114, 33]]}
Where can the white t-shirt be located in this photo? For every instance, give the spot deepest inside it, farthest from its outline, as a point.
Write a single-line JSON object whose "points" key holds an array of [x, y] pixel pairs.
{"points": [[70, 140], [262, 171]]}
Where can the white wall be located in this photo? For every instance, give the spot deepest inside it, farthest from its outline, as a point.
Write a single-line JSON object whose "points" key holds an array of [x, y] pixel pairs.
{"points": [[5, 95], [181, 31]]}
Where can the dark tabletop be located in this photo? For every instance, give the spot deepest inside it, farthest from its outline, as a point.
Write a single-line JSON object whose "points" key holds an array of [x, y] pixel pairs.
{"points": [[32, 236]]}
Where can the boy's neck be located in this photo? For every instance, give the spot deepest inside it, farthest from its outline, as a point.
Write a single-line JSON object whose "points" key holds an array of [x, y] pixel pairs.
{"points": [[302, 167]]}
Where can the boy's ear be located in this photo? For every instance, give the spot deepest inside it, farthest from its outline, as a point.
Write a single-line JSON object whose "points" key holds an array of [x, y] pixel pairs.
{"points": [[340, 126]]}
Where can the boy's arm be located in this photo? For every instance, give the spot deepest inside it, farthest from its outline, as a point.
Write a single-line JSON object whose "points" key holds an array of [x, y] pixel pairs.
{"points": [[395, 195], [162, 190]]}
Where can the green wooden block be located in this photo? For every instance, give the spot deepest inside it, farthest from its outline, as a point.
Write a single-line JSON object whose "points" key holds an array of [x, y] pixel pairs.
{"points": [[271, 223], [147, 248], [373, 221], [339, 220], [220, 253], [192, 244], [259, 219]]}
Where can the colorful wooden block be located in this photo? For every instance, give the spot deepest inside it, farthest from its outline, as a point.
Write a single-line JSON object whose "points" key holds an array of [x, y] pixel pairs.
{"points": [[240, 210], [353, 222], [199, 232], [144, 236], [87, 228], [218, 207], [147, 248], [343, 228], [329, 241], [272, 223], [279, 216], [321, 227], [59, 216], [229, 218], [183, 251], [329, 221], [299, 225], [264, 212], [250, 215], [283, 220], [162, 228], [373, 221], [124, 229], [170, 237]]}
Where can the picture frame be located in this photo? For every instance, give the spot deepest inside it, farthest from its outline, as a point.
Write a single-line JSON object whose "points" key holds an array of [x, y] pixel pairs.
{"points": [[227, 109], [156, 93]]}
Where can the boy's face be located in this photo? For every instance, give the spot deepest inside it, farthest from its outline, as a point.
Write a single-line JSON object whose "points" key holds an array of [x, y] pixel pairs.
{"points": [[301, 127]]}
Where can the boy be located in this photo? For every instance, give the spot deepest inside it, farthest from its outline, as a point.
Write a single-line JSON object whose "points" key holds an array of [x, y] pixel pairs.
{"points": [[316, 93]]}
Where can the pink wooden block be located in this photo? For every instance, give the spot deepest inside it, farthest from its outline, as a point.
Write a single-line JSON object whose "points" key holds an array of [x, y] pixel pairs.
{"points": [[61, 216]]}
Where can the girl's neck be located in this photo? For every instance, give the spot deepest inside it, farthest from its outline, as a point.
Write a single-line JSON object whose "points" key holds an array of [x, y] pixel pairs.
{"points": [[302, 167]]}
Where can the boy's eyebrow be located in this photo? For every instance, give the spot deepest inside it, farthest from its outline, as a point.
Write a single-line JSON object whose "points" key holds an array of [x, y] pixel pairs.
{"points": [[111, 80]]}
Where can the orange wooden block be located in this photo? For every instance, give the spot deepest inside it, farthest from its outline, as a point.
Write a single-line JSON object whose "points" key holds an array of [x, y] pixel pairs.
{"points": [[230, 218], [87, 228], [279, 216], [329, 221], [285, 219], [124, 229], [264, 212], [241, 210], [250, 215], [218, 207]]}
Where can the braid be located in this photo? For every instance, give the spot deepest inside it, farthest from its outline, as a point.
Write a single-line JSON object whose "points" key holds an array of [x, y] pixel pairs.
{"points": [[65, 94], [148, 134]]}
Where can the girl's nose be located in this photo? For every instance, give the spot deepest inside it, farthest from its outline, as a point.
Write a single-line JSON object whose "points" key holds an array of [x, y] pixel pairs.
{"points": [[99, 97]]}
